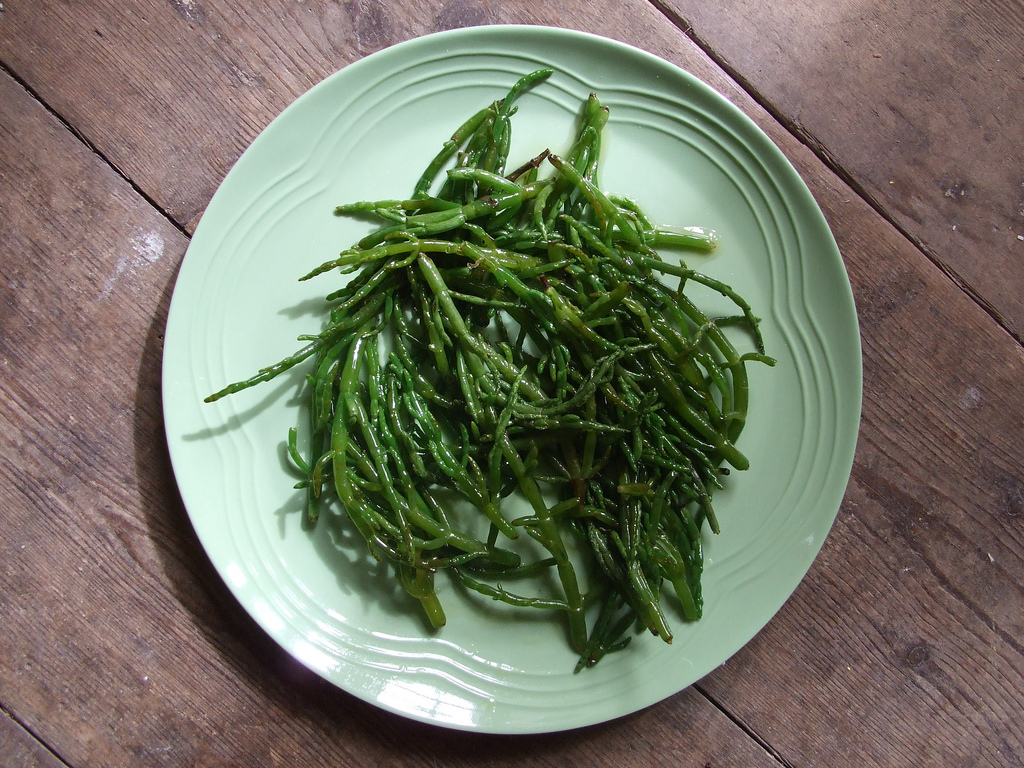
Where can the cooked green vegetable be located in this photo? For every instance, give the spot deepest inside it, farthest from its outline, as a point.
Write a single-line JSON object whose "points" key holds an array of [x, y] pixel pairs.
{"points": [[512, 334]]}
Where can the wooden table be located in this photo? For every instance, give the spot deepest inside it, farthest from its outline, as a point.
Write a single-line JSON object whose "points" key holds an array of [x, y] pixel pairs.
{"points": [[120, 644]]}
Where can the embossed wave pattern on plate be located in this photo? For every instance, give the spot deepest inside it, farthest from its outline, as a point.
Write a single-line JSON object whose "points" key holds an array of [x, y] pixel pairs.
{"points": [[284, 576]]}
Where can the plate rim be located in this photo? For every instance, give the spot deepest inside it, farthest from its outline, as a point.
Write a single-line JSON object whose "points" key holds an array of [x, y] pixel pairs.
{"points": [[453, 38]]}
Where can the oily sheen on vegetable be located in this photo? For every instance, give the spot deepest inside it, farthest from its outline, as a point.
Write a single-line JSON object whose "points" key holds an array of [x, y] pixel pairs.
{"points": [[515, 333]]}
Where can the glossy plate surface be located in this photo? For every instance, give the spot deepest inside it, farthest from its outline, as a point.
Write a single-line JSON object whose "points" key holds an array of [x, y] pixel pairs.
{"points": [[689, 157]]}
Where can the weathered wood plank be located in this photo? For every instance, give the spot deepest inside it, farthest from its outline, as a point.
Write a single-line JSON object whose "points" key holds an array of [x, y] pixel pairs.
{"points": [[173, 97], [18, 748], [119, 645], [918, 102], [903, 644]]}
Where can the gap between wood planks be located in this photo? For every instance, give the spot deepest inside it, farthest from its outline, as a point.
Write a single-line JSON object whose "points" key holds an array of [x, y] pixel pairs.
{"points": [[15, 735], [751, 733], [821, 152], [4, 69]]}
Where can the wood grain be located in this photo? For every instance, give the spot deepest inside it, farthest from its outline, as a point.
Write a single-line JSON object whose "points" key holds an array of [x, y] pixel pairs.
{"points": [[120, 644], [917, 103]]}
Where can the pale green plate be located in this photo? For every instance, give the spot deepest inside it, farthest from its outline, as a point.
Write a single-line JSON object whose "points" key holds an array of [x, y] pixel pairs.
{"points": [[689, 157]]}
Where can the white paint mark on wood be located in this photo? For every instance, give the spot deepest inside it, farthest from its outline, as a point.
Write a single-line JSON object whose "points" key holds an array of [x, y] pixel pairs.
{"points": [[146, 249], [970, 399]]}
